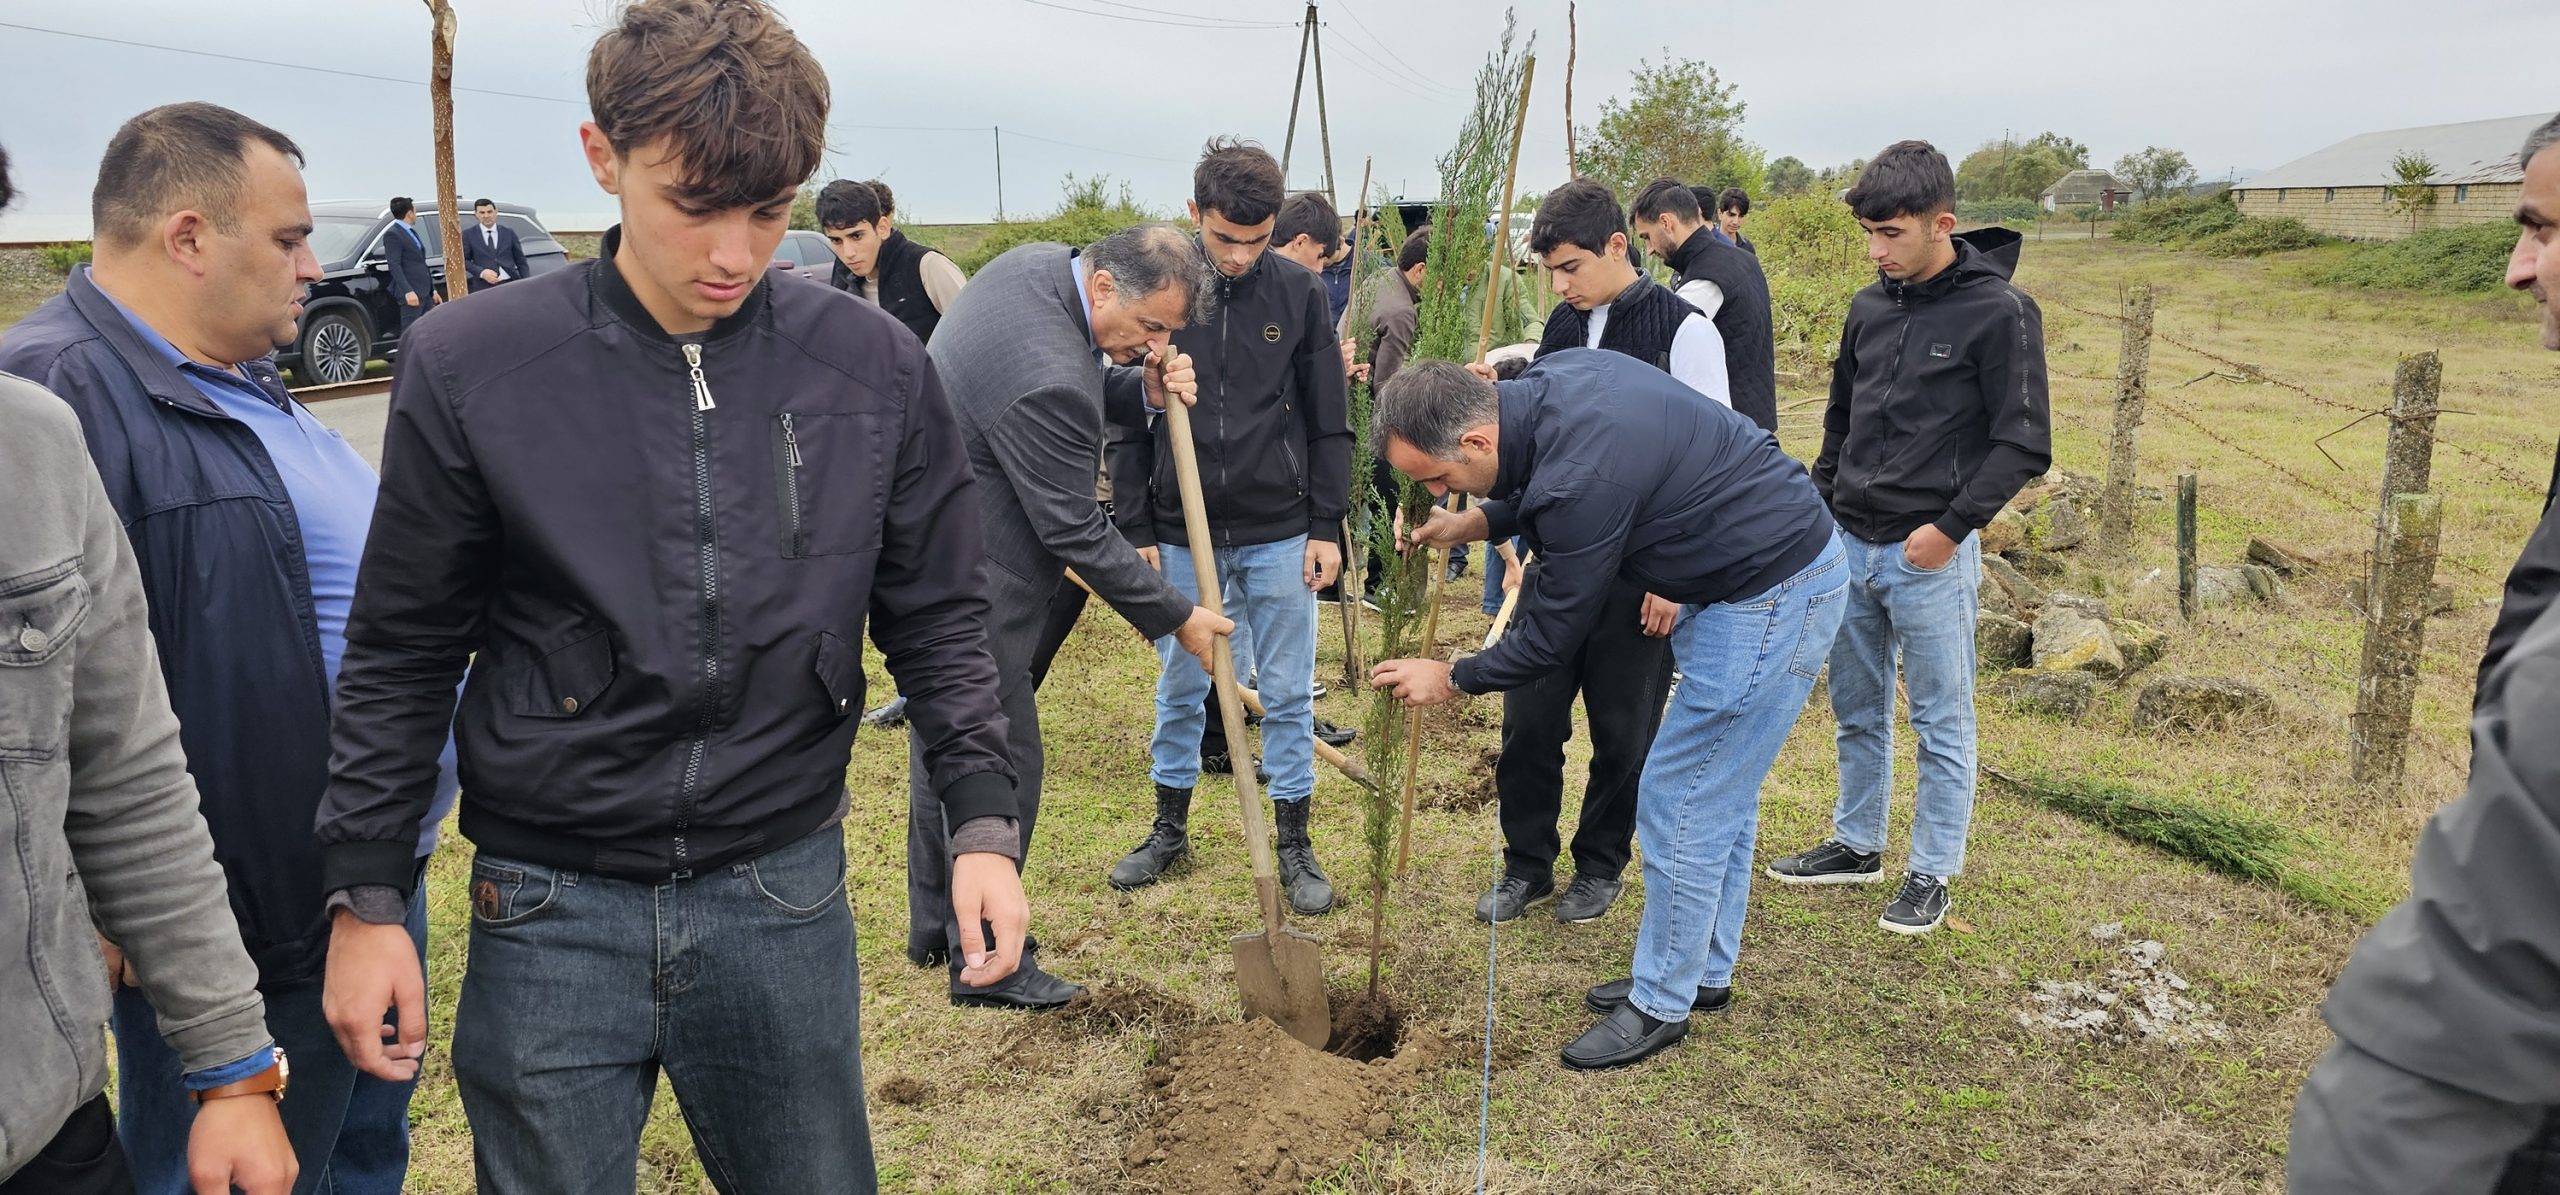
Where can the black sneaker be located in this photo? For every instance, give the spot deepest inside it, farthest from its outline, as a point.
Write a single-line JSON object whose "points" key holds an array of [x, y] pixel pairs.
{"points": [[1512, 897], [1334, 736], [1320, 691], [886, 717], [1919, 907], [1221, 764], [1831, 863], [1587, 898]]}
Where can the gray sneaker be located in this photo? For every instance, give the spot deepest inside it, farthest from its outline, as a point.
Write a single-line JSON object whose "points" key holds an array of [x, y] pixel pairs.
{"points": [[1834, 862], [1918, 907], [1587, 899], [1512, 897]]}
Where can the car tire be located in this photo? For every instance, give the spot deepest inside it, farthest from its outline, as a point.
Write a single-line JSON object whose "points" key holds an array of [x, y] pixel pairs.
{"points": [[335, 344]]}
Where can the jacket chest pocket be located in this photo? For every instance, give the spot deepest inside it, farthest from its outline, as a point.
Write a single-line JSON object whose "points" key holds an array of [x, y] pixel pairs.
{"points": [[831, 483], [40, 612]]}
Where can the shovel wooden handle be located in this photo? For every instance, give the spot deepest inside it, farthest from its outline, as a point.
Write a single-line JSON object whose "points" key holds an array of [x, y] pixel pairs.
{"points": [[1222, 667]]}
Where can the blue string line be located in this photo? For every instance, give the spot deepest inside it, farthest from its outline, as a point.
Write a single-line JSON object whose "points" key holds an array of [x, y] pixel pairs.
{"points": [[1484, 1102]]}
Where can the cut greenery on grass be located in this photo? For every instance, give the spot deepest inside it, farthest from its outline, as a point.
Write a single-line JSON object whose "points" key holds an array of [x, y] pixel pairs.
{"points": [[2448, 260]]}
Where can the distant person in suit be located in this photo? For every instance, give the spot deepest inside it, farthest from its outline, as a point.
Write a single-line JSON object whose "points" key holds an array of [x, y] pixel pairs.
{"points": [[492, 252], [411, 282]]}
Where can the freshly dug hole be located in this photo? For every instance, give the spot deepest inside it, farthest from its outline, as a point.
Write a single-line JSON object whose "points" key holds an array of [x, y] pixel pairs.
{"points": [[1365, 1027], [1246, 1110]]}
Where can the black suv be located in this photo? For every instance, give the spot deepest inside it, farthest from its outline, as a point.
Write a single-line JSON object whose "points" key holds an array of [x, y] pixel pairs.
{"points": [[351, 316]]}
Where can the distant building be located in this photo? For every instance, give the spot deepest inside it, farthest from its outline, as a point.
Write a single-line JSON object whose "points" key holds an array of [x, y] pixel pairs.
{"points": [[2083, 188], [2345, 189]]}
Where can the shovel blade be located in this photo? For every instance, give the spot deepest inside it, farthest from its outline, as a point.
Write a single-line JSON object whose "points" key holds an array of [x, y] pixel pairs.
{"points": [[1281, 977]]}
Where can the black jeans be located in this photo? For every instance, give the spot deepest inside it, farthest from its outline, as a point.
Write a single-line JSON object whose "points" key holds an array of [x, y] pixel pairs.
{"points": [[82, 1159], [1623, 677]]}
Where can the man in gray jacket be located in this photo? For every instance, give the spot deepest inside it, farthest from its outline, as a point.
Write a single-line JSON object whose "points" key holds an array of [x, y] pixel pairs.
{"points": [[2446, 1072], [89, 752], [1044, 346]]}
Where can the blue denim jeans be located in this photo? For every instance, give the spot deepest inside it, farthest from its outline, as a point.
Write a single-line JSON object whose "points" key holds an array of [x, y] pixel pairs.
{"points": [[1494, 569], [739, 982], [1926, 620], [349, 1129], [1746, 667], [1267, 589]]}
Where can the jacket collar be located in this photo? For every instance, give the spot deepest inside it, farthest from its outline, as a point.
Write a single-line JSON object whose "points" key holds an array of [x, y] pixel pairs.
{"points": [[1689, 250], [605, 279], [1956, 274], [160, 380], [1517, 399]]}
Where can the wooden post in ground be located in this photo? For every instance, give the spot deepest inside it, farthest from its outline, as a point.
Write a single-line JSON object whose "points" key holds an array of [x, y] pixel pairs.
{"points": [[457, 280], [2395, 632], [1572, 45], [2187, 601], [2408, 457], [1306, 39], [1355, 550], [1324, 127], [2133, 369]]}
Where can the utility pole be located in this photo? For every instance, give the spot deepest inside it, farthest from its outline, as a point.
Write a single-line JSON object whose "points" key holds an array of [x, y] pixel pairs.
{"points": [[1306, 39], [457, 280], [1324, 128], [999, 130]]}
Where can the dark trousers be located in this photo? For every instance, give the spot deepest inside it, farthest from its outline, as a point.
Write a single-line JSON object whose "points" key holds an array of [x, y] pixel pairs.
{"points": [[1065, 607], [82, 1159], [1623, 677]]}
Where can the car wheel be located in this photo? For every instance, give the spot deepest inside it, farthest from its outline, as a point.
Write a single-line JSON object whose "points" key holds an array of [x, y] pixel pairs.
{"points": [[334, 348]]}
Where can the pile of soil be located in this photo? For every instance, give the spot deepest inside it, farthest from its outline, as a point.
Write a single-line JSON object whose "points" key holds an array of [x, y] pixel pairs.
{"points": [[1246, 1110]]}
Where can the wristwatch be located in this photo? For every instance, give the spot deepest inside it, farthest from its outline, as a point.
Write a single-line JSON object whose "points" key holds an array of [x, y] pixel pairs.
{"points": [[269, 1082]]}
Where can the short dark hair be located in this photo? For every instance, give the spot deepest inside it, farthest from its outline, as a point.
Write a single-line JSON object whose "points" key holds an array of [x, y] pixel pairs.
{"points": [[1510, 367], [477, 204], [1430, 404], [845, 203], [741, 103], [1583, 212], [6, 193], [1668, 196], [1416, 250], [888, 202], [1707, 199], [1909, 178], [1734, 200], [1308, 214], [1146, 258], [2539, 139], [401, 206], [1238, 180], [177, 157]]}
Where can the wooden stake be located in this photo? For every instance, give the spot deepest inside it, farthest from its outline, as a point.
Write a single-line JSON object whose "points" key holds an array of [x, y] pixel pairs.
{"points": [[2188, 601], [1572, 45], [457, 278], [1502, 226], [1324, 127], [1306, 38], [1355, 552]]}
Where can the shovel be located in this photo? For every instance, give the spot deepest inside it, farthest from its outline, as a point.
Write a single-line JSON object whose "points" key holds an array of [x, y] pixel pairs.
{"points": [[1279, 973]]}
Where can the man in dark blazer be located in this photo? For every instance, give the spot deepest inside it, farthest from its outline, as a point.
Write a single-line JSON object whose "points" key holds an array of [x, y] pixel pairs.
{"points": [[413, 286], [491, 251], [1040, 349]]}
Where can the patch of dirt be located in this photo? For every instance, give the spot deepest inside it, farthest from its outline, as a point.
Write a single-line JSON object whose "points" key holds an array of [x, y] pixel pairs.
{"points": [[2143, 1002], [1365, 1027], [902, 1089], [1246, 1110], [1102, 1010]]}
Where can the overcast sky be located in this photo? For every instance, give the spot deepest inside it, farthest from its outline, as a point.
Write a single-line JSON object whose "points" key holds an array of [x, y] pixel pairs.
{"points": [[2238, 86]]}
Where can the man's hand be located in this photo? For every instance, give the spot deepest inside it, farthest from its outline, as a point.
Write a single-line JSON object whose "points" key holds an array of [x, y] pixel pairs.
{"points": [[1171, 376], [373, 969], [118, 974], [1350, 349], [239, 1141], [1153, 557], [987, 887], [1928, 549], [1658, 616], [1415, 682], [1324, 563], [1199, 633], [489, 276], [1447, 528], [1482, 370], [410, 298]]}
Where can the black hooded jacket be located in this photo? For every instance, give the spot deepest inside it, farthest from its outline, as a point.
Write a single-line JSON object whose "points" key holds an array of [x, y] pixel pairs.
{"points": [[1938, 410]]}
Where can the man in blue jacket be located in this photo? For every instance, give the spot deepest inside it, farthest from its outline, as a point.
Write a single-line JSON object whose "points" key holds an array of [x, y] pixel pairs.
{"points": [[1617, 474], [248, 517], [413, 285]]}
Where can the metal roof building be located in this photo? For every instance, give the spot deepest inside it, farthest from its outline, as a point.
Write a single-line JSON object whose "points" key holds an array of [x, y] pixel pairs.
{"points": [[2343, 189]]}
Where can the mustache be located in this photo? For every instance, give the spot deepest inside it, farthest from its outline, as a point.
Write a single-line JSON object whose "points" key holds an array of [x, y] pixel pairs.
{"points": [[2538, 295]]}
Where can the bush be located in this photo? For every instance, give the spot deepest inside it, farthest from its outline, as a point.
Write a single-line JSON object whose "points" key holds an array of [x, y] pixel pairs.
{"points": [[2177, 221], [2256, 237], [1999, 211], [1815, 255], [63, 258], [2453, 260], [1087, 213]]}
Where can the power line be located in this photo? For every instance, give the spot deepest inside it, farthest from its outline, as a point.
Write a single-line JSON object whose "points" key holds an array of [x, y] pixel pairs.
{"points": [[1390, 50], [1096, 149], [1183, 24], [1166, 12], [1394, 78], [317, 70]]}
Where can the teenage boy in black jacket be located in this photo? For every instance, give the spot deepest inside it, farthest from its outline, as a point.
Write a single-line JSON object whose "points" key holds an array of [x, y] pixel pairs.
{"points": [[1938, 415], [660, 495], [1274, 443]]}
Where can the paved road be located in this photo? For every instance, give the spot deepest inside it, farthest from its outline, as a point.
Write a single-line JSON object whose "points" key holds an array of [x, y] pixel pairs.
{"points": [[359, 420]]}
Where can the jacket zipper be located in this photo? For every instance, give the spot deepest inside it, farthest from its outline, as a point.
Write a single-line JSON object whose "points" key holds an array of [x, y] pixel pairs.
{"points": [[787, 464], [1226, 295], [707, 556]]}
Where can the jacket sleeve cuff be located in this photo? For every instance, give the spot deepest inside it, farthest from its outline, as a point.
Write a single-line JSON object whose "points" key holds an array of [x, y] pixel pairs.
{"points": [[1501, 520], [1955, 527], [1165, 618], [1463, 675], [979, 794], [256, 1062], [988, 836], [389, 863], [1327, 530]]}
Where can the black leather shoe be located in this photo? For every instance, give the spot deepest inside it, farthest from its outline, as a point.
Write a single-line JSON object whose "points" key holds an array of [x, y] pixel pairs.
{"points": [[1333, 736], [1166, 843], [1612, 996], [928, 952], [886, 717], [1222, 764], [1622, 1038], [1029, 989]]}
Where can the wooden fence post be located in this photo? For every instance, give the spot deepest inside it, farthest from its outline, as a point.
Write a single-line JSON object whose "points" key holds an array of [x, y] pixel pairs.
{"points": [[2187, 601], [2133, 369], [2395, 631], [2408, 459]]}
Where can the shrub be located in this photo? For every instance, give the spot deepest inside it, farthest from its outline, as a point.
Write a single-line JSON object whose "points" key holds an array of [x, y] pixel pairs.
{"points": [[1815, 256], [63, 258], [1087, 214], [2177, 221], [1999, 211], [2453, 260], [2256, 237]]}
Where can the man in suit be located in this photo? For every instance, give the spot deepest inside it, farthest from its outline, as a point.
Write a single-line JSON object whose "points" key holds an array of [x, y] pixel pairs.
{"points": [[413, 286], [1042, 347], [491, 252]]}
